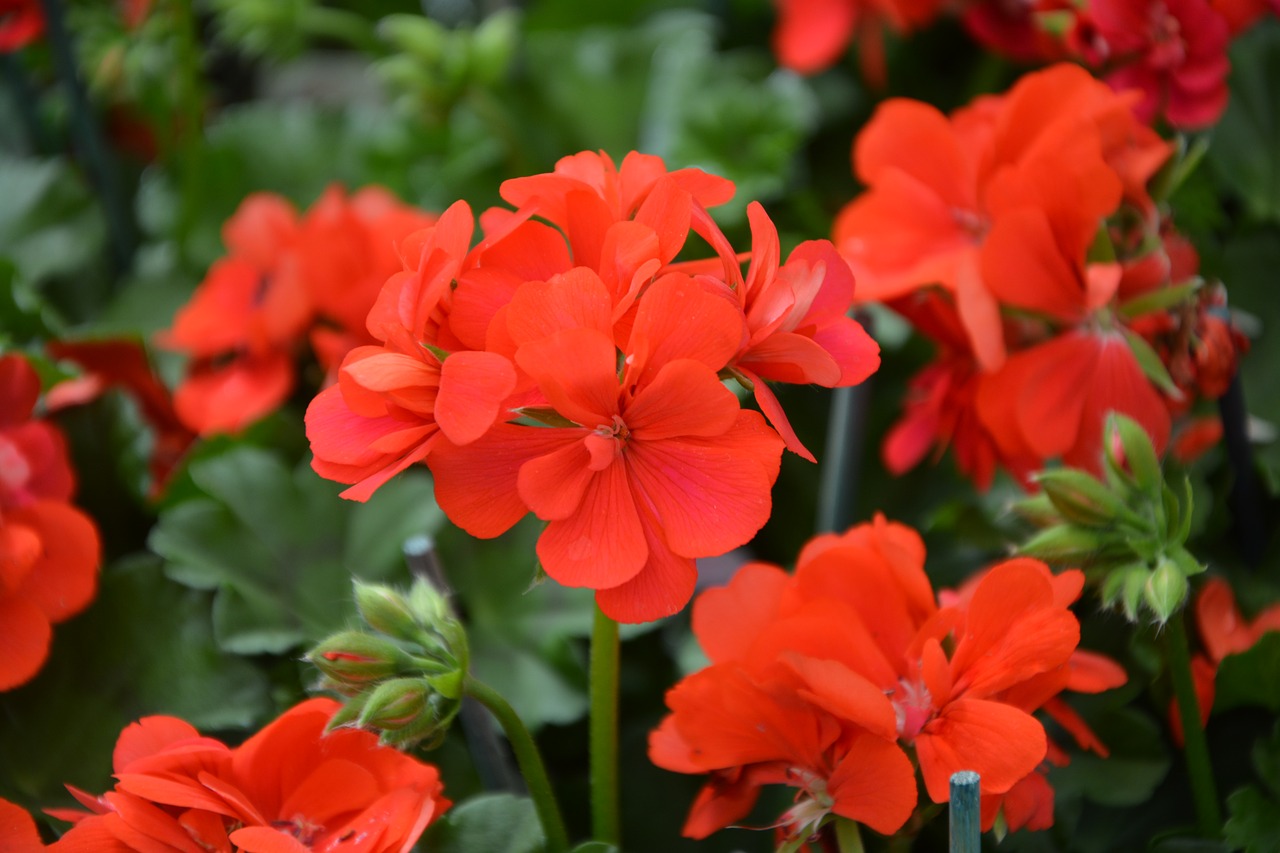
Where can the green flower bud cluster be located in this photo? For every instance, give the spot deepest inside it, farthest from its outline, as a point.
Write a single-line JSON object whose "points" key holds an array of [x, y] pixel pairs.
{"points": [[432, 65], [1128, 531], [404, 676]]}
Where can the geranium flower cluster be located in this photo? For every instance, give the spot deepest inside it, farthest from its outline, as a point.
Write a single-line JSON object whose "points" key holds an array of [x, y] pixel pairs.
{"points": [[983, 229], [1173, 51], [286, 279], [49, 549], [846, 678], [569, 366], [290, 787]]}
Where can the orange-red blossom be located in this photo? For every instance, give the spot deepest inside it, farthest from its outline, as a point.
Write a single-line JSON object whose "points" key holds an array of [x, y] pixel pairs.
{"points": [[567, 365], [827, 679], [291, 788], [49, 549]]}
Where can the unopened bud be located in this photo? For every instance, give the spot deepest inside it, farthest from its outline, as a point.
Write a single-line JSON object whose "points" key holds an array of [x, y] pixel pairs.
{"points": [[1165, 590], [387, 610], [1063, 543], [1082, 499], [1136, 455], [395, 704], [353, 660]]}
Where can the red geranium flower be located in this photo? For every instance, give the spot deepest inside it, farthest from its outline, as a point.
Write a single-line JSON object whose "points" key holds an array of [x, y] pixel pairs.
{"points": [[21, 22], [815, 675], [49, 550], [290, 788]]}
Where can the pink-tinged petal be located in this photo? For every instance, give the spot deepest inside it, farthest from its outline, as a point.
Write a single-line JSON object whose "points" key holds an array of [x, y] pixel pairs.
{"points": [[577, 299], [475, 484], [24, 641], [844, 693], [777, 416], [727, 619], [601, 545], [472, 388], [680, 318], [552, 486], [684, 399], [576, 370], [792, 358], [835, 292], [998, 742], [874, 784], [19, 389], [712, 494], [663, 586], [812, 34], [857, 353]]}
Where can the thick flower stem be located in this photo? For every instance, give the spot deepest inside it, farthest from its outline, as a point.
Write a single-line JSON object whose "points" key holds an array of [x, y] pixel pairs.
{"points": [[530, 761], [1203, 789], [604, 729]]}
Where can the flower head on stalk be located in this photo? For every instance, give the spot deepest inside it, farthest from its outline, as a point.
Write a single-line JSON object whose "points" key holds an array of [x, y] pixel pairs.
{"points": [[403, 672], [850, 670], [292, 786], [576, 372]]}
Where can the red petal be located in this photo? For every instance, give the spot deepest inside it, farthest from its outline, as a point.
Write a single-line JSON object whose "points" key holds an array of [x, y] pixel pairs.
{"points": [[601, 545], [24, 641], [662, 587], [65, 578], [998, 742], [874, 783], [19, 389], [472, 388]]}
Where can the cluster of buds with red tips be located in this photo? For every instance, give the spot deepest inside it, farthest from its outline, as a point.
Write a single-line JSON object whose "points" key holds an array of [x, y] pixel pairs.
{"points": [[404, 676], [1127, 530]]}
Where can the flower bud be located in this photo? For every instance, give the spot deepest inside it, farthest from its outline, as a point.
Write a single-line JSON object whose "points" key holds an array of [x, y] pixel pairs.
{"points": [[1082, 499], [1165, 590], [1136, 459], [407, 711], [352, 660], [386, 610], [1064, 543]]}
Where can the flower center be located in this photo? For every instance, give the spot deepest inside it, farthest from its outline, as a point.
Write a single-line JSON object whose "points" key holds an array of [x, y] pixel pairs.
{"points": [[606, 443], [913, 707]]}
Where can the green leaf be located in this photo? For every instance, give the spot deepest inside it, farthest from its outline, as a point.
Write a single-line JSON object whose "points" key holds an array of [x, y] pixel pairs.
{"points": [[1254, 824], [145, 646], [1152, 367], [489, 822], [1251, 678], [1245, 149], [280, 548]]}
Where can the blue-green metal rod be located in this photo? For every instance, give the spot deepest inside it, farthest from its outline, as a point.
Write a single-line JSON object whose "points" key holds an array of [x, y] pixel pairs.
{"points": [[966, 813]]}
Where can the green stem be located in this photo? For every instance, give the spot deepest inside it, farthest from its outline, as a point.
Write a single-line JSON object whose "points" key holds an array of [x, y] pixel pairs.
{"points": [[604, 729], [530, 761], [1196, 749]]}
